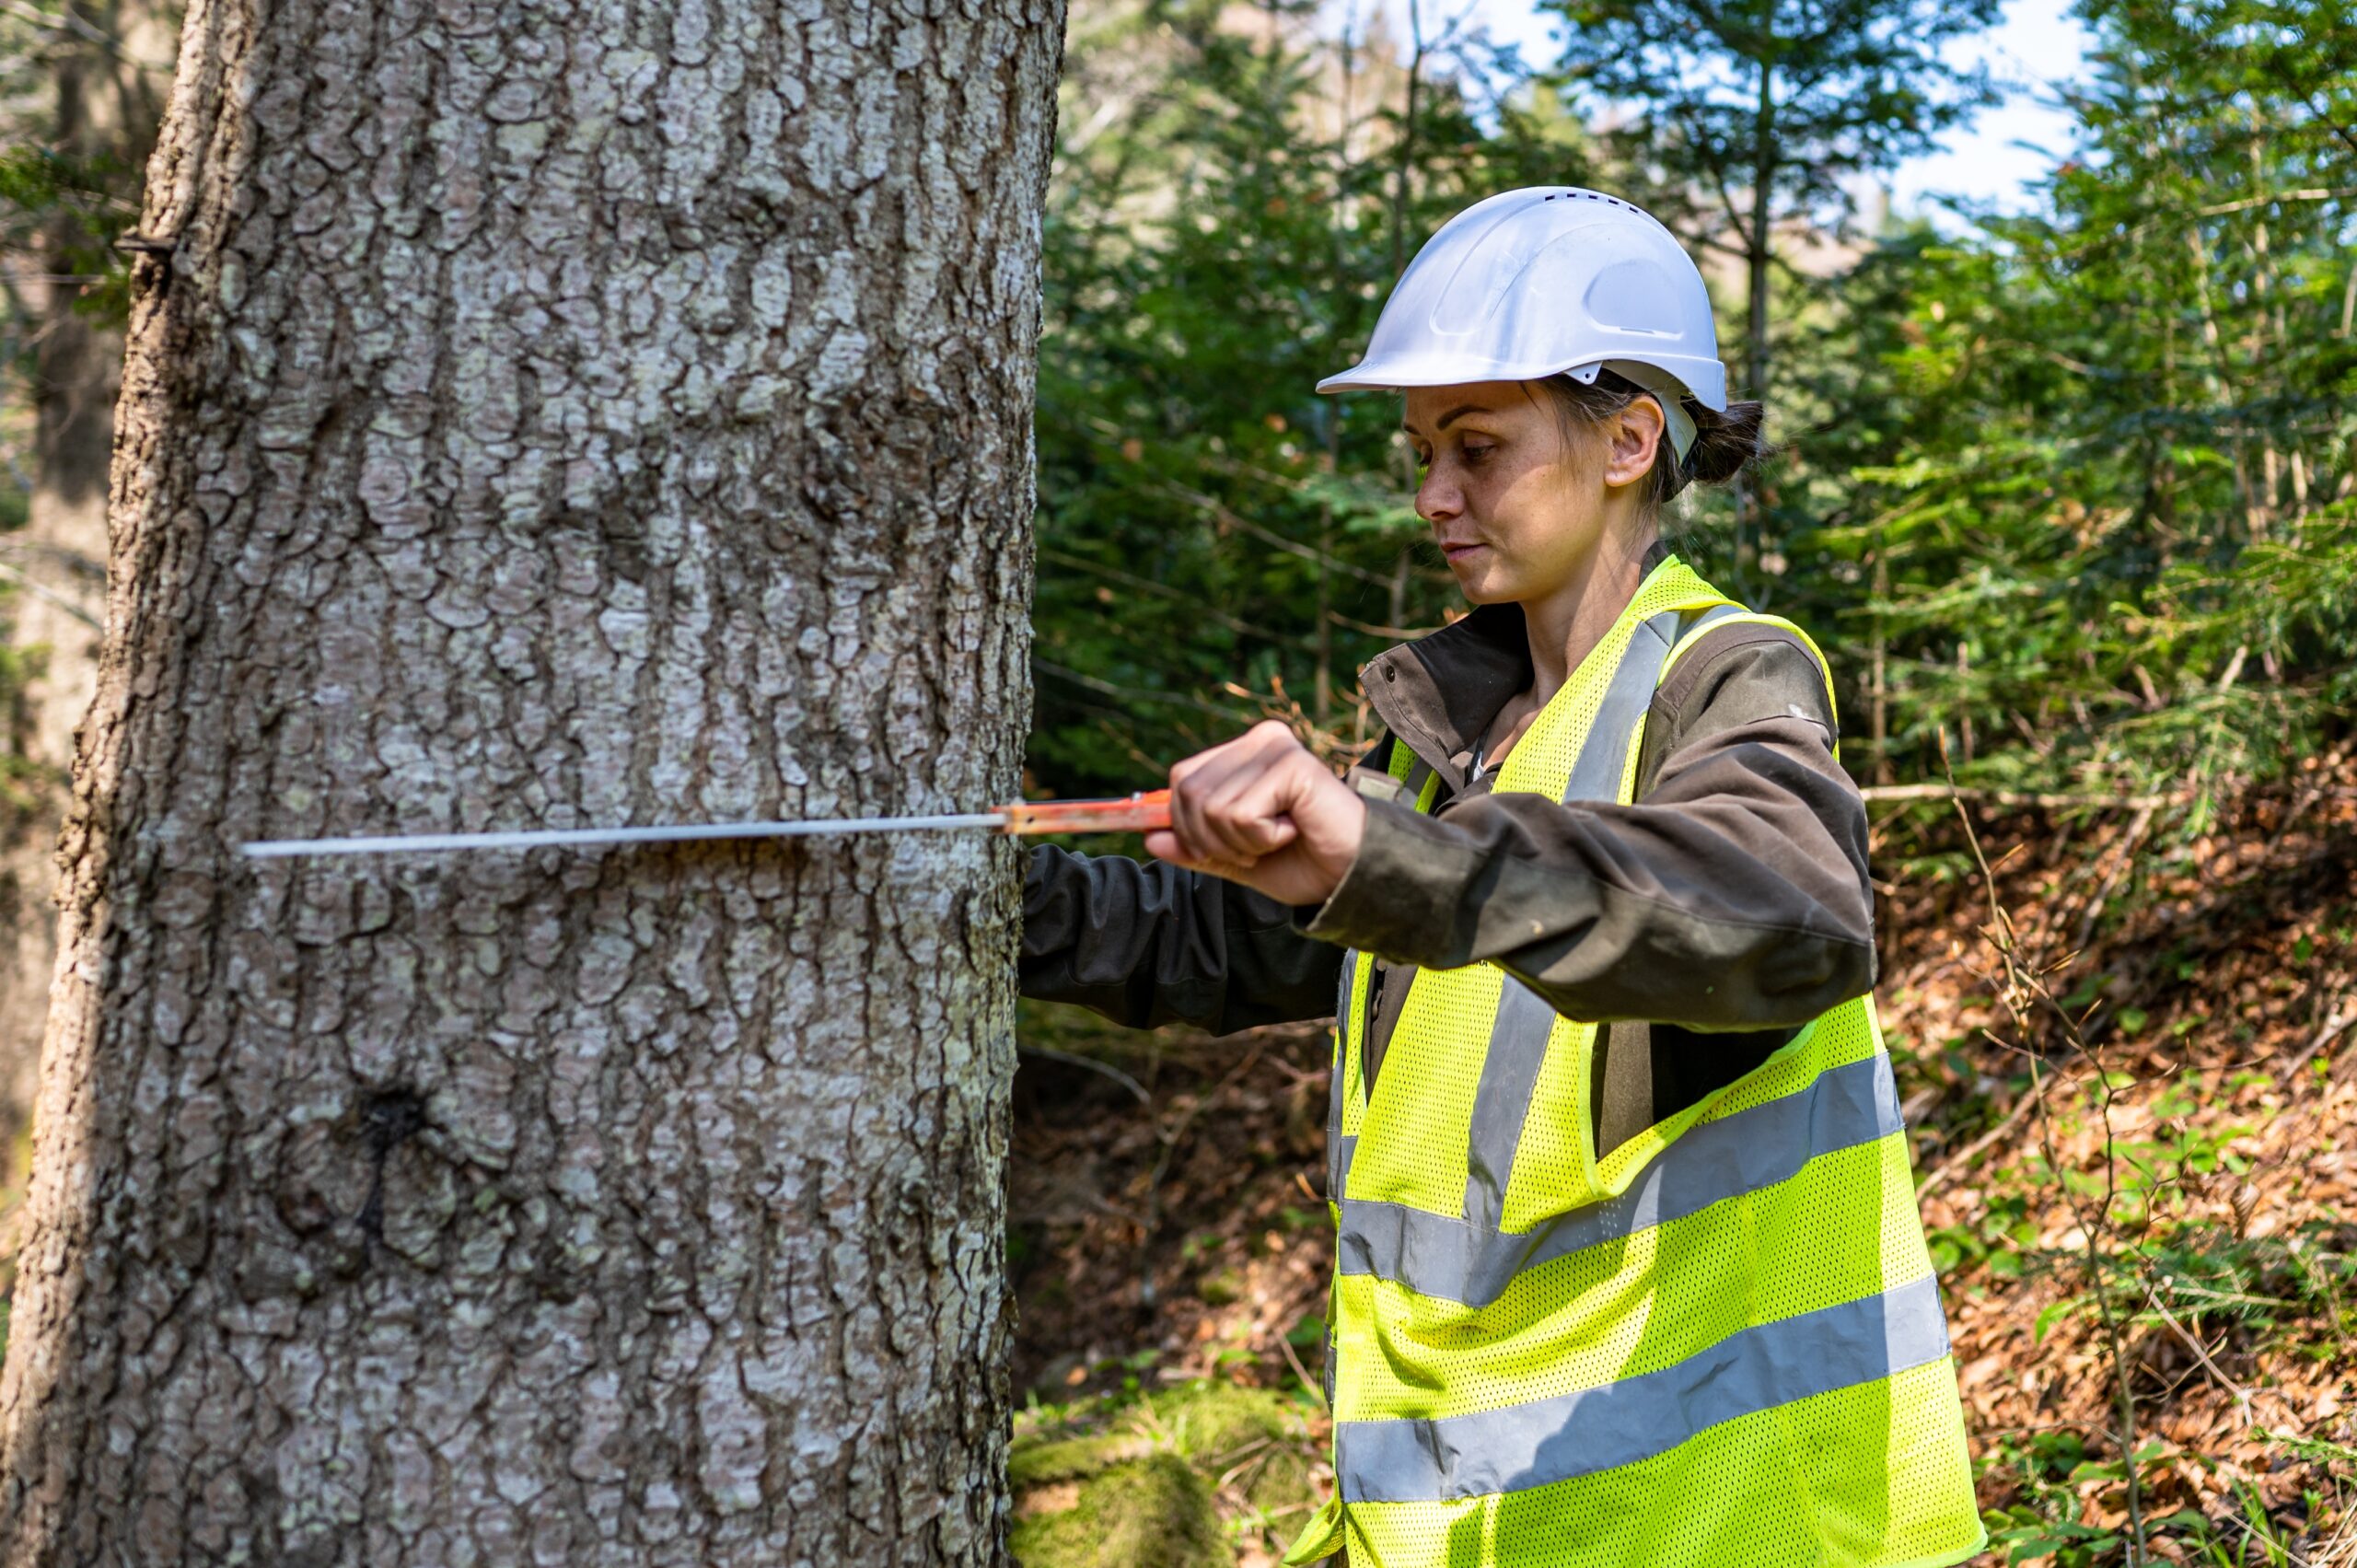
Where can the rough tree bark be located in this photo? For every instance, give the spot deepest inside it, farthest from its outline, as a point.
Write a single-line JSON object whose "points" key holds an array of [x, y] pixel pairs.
{"points": [[108, 98], [549, 416]]}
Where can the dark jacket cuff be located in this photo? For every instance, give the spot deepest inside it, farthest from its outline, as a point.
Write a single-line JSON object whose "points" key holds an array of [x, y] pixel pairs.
{"points": [[1400, 897]]}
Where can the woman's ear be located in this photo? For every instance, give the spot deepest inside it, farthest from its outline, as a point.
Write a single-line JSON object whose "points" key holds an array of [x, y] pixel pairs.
{"points": [[1634, 437]]}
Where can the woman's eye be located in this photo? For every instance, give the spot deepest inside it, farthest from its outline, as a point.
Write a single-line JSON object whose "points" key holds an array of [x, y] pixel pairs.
{"points": [[1475, 454]]}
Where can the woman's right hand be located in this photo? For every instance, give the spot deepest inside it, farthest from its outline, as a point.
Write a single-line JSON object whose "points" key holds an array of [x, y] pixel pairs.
{"points": [[1260, 810]]}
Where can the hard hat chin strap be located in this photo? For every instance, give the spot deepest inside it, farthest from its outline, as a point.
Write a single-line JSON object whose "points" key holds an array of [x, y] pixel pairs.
{"points": [[1681, 427], [1670, 395]]}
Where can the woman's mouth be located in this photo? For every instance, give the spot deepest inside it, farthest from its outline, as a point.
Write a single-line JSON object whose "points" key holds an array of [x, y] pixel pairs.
{"points": [[1461, 549]]}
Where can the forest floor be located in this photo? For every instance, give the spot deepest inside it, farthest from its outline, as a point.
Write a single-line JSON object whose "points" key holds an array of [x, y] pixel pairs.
{"points": [[2173, 1034]]}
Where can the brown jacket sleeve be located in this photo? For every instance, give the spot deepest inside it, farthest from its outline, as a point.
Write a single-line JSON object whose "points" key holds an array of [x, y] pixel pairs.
{"points": [[1733, 895], [1145, 943]]}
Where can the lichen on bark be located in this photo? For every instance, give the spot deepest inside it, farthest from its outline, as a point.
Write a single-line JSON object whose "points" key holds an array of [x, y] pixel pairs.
{"points": [[615, 413]]}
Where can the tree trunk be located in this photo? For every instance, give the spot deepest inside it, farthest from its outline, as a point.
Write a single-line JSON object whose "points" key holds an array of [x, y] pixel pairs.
{"points": [[106, 107], [1751, 540], [1759, 257], [621, 416]]}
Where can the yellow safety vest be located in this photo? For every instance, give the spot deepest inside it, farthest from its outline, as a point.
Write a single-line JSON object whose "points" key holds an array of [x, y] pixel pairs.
{"points": [[1719, 1344]]}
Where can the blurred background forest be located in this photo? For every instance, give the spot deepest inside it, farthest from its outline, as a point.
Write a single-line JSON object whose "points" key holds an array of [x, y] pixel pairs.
{"points": [[2065, 489], [2076, 483]]}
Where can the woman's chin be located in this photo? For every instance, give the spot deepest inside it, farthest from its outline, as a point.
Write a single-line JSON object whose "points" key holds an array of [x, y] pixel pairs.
{"points": [[1479, 580]]}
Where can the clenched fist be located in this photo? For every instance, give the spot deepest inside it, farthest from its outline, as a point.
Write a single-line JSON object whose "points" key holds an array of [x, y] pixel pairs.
{"points": [[1260, 810]]}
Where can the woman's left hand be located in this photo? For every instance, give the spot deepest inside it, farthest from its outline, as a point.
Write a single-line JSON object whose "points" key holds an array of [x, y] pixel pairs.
{"points": [[1260, 810]]}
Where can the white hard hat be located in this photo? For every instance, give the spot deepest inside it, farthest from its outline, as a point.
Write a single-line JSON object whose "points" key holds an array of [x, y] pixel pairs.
{"points": [[1550, 278]]}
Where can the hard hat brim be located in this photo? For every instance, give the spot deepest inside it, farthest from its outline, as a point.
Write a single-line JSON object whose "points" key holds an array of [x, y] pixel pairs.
{"points": [[1704, 380]]}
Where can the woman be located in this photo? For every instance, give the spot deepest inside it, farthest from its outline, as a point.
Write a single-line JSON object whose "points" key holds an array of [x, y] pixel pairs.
{"points": [[1629, 1266]]}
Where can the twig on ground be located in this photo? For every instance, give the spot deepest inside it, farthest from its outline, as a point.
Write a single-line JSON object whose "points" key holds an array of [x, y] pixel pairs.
{"points": [[1963, 1157], [1106, 1068], [1316, 1388], [1879, 794], [2335, 765], [2128, 844], [2339, 1020], [2200, 1353]]}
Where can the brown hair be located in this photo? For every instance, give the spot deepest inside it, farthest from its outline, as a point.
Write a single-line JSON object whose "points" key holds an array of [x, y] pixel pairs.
{"points": [[1725, 444]]}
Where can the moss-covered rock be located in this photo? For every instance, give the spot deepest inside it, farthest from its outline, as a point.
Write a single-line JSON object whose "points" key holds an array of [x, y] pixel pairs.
{"points": [[1257, 1436], [1071, 1458], [1149, 1511], [1210, 1421], [1160, 1481]]}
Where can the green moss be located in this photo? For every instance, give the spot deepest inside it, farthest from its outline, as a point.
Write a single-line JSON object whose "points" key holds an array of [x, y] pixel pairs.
{"points": [[1259, 1435], [1070, 1458], [1220, 1289], [1160, 1481], [1209, 1421], [1150, 1512]]}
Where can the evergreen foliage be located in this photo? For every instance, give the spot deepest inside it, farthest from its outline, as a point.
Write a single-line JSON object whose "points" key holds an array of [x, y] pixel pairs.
{"points": [[1214, 535], [1750, 122], [2097, 459], [2074, 488]]}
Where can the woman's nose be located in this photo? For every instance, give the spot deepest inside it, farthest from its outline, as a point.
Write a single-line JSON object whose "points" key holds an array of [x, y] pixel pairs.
{"points": [[1437, 497]]}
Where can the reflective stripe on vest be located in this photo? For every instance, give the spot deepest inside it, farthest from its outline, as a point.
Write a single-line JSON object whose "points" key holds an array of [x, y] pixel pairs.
{"points": [[1621, 1422], [1720, 1342], [1462, 1262]]}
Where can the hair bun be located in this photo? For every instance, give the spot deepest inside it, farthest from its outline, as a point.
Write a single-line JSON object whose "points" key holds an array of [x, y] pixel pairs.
{"points": [[1725, 443]]}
